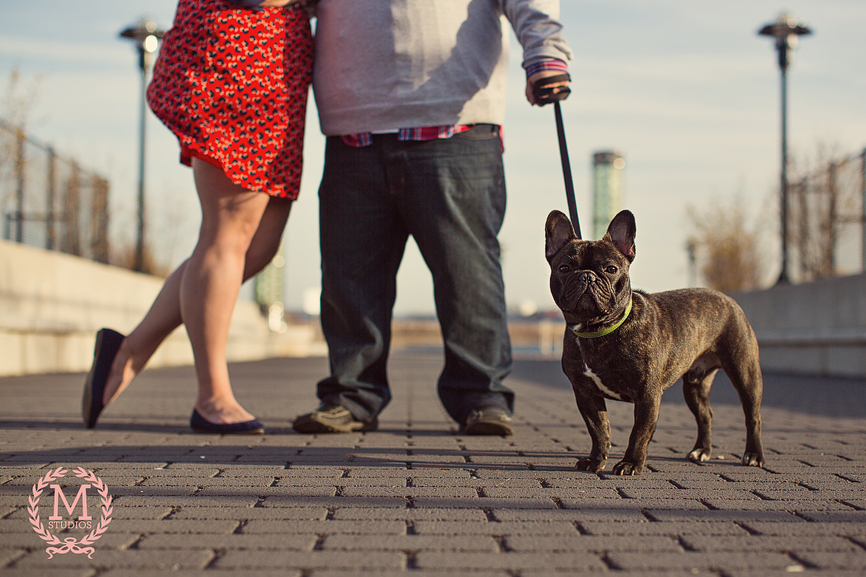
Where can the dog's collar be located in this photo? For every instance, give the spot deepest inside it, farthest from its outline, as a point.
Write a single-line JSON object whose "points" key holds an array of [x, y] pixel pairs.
{"points": [[608, 330]]}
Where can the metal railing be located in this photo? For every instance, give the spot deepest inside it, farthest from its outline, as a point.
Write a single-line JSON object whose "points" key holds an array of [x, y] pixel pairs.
{"points": [[827, 226], [49, 201]]}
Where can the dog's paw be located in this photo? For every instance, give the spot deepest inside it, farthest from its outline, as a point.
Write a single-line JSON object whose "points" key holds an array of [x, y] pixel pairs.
{"points": [[753, 459], [627, 468], [700, 455], [587, 464]]}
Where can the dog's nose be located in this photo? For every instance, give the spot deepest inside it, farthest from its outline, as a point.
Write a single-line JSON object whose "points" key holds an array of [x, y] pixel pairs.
{"points": [[585, 276]]}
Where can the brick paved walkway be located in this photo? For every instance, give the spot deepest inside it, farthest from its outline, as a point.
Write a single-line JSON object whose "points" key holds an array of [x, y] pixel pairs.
{"points": [[414, 498]]}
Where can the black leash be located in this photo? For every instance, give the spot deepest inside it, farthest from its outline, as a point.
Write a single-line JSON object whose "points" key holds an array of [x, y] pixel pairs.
{"points": [[544, 94], [566, 170]]}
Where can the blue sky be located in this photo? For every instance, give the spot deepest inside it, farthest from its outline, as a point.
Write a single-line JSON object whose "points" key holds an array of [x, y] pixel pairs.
{"points": [[685, 89]]}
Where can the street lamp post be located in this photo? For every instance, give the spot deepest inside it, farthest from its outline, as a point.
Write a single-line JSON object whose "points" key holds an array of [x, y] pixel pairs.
{"points": [[146, 35], [786, 30]]}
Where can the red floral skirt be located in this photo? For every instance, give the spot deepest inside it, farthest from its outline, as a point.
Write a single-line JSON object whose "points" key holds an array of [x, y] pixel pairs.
{"points": [[231, 84]]}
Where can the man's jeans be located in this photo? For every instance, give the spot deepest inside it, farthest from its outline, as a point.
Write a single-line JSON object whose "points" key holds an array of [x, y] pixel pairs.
{"points": [[449, 194]]}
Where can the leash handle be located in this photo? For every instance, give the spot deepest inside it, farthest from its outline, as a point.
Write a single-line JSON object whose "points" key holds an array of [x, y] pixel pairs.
{"points": [[566, 170]]}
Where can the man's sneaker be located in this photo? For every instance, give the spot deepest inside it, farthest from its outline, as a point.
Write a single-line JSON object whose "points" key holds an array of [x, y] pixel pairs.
{"points": [[331, 419], [487, 421]]}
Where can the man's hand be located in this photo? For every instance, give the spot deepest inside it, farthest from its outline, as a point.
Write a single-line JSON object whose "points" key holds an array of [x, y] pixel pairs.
{"points": [[547, 86]]}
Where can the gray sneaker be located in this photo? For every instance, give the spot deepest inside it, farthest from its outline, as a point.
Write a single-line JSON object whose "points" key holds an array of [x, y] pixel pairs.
{"points": [[487, 421], [331, 419]]}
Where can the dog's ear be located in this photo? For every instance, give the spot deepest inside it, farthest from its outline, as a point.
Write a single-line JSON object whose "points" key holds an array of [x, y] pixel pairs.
{"points": [[621, 232], [558, 232]]}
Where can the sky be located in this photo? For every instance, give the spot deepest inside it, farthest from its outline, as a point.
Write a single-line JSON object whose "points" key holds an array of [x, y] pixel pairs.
{"points": [[685, 89]]}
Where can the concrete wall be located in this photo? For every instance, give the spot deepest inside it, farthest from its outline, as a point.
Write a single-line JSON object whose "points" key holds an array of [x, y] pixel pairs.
{"points": [[815, 328], [52, 304]]}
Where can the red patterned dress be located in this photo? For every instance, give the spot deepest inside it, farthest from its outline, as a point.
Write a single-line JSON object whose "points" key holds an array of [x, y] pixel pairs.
{"points": [[231, 83]]}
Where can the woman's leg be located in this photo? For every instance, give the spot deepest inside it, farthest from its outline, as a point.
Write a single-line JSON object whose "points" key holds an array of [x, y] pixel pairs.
{"points": [[164, 315], [210, 284]]}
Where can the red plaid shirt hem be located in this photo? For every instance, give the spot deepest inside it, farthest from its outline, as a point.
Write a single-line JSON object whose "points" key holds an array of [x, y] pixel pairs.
{"points": [[438, 132]]}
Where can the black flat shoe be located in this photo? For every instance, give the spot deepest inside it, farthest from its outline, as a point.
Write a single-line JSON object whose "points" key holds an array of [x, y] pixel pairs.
{"points": [[107, 345], [201, 425]]}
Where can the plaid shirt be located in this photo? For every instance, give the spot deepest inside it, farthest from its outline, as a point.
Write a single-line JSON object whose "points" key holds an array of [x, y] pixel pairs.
{"points": [[447, 131]]}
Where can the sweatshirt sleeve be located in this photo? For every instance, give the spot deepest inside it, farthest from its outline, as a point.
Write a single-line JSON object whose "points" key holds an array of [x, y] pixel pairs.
{"points": [[536, 24]]}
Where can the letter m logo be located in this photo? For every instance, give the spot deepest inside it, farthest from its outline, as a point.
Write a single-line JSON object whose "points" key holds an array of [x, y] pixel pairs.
{"points": [[58, 496]]}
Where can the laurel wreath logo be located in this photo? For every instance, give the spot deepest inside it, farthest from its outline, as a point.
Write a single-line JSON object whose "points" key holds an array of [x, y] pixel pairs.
{"points": [[70, 544]]}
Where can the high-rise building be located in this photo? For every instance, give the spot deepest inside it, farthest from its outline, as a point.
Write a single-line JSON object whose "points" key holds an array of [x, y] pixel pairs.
{"points": [[607, 167], [268, 288]]}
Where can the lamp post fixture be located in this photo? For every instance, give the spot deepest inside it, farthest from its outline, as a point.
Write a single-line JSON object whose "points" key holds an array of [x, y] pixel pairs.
{"points": [[787, 31], [146, 35]]}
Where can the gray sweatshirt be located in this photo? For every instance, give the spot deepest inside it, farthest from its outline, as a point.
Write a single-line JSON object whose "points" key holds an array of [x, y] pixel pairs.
{"points": [[382, 65]]}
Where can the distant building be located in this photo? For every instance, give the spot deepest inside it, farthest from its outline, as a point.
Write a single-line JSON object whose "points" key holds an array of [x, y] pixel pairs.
{"points": [[268, 288], [606, 189]]}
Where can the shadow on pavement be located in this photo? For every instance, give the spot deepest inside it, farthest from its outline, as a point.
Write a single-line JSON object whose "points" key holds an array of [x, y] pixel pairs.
{"points": [[815, 395]]}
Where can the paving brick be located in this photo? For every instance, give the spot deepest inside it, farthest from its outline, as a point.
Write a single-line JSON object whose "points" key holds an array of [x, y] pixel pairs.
{"points": [[835, 516], [599, 513], [789, 505], [211, 572], [806, 494], [673, 503], [367, 561], [250, 542], [413, 492], [54, 572], [413, 573], [500, 529], [666, 573], [688, 561], [787, 544], [129, 558], [594, 544], [717, 494], [11, 554], [724, 516], [652, 529], [325, 527], [222, 501], [513, 561], [216, 526], [413, 514], [795, 567], [410, 543], [309, 495], [333, 502], [833, 559], [248, 514], [541, 502]]}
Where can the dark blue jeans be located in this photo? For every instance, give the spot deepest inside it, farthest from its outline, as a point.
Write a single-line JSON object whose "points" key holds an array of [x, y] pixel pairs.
{"points": [[449, 194]]}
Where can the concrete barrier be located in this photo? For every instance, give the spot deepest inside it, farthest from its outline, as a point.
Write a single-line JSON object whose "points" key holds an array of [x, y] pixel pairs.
{"points": [[814, 328], [52, 304]]}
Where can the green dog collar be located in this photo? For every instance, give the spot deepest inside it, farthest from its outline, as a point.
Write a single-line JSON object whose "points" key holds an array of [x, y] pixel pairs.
{"points": [[608, 330]]}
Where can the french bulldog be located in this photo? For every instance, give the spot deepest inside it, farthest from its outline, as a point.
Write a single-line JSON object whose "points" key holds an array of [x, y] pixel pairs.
{"points": [[628, 345]]}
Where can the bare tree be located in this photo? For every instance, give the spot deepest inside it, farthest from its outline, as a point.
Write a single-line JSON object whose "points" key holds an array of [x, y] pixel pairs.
{"points": [[727, 246], [15, 108], [824, 198], [124, 257]]}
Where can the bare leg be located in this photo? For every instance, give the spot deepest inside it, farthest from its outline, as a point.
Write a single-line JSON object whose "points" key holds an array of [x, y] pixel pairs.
{"points": [[210, 284], [164, 315]]}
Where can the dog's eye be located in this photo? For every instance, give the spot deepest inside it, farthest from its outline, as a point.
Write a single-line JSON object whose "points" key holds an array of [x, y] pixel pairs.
{"points": [[564, 268], [610, 269]]}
